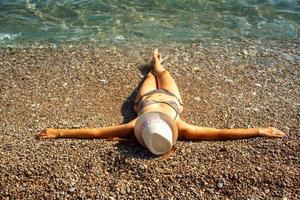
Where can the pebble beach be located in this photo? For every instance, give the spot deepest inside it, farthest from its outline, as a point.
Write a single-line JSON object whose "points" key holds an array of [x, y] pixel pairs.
{"points": [[223, 85]]}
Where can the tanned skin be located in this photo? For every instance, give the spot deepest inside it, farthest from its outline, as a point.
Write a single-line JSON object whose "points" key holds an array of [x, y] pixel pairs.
{"points": [[160, 78]]}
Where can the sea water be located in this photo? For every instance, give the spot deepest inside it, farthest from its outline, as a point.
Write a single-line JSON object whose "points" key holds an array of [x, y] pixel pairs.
{"points": [[34, 22]]}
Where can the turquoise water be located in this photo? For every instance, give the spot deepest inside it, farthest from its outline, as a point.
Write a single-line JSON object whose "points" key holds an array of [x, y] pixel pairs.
{"points": [[34, 22]]}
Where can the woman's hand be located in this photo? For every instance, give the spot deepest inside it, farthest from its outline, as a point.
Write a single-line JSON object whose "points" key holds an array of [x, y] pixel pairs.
{"points": [[271, 132], [48, 134]]}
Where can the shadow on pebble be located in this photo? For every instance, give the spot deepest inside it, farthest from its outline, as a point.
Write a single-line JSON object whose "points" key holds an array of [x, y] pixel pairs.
{"points": [[127, 108], [132, 148]]}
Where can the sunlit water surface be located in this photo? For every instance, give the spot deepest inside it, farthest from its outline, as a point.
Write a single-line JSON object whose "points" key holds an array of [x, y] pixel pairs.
{"points": [[34, 22]]}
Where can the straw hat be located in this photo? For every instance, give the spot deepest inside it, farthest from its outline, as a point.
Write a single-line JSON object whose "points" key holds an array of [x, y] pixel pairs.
{"points": [[156, 131]]}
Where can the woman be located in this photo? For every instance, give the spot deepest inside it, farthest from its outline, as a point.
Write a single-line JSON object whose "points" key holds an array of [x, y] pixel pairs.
{"points": [[158, 125]]}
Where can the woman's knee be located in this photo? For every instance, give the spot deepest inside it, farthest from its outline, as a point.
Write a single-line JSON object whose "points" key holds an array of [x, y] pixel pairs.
{"points": [[150, 75], [165, 73]]}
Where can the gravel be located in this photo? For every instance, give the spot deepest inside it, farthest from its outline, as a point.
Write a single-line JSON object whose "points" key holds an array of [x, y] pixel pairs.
{"points": [[232, 85]]}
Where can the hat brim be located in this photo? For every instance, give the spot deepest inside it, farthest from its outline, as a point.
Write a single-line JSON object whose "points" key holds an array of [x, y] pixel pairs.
{"points": [[137, 130]]}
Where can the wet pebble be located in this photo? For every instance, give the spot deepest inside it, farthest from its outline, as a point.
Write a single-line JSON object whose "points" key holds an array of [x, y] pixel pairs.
{"points": [[245, 52]]}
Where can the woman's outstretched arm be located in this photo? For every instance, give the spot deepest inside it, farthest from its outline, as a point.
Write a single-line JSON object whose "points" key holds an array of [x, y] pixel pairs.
{"points": [[202, 133], [121, 131]]}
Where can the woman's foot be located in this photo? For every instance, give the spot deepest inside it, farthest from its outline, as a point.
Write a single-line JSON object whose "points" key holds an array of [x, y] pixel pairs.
{"points": [[156, 62], [156, 56]]}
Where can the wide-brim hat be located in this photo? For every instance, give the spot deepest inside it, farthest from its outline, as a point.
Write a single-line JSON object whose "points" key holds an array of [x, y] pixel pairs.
{"points": [[156, 131]]}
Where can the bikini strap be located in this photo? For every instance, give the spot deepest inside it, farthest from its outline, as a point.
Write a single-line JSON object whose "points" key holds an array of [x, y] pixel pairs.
{"points": [[171, 94], [161, 90], [147, 94]]}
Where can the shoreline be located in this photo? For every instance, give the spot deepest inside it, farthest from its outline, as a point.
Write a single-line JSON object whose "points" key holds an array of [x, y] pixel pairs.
{"points": [[222, 86], [126, 44]]}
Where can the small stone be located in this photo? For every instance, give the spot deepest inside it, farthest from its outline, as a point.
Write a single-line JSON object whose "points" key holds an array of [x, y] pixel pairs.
{"points": [[245, 52], [123, 191], [294, 158], [258, 168], [227, 80], [258, 85], [28, 173], [72, 189], [120, 37], [196, 68], [67, 99], [143, 167], [220, 184], [103, 81], [267, 191], [256, 109], [210, 191], [197, 98]]}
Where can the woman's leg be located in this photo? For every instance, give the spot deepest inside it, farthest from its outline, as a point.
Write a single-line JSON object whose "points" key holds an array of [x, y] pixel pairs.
{"points": [[164, 78], [148, 85]]}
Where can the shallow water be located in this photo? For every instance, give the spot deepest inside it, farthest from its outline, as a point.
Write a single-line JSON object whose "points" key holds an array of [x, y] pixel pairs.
{"points": [[34, 22]]}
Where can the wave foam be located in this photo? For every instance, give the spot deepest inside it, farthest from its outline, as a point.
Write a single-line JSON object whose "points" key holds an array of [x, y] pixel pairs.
{"points": [[8, 36]]}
